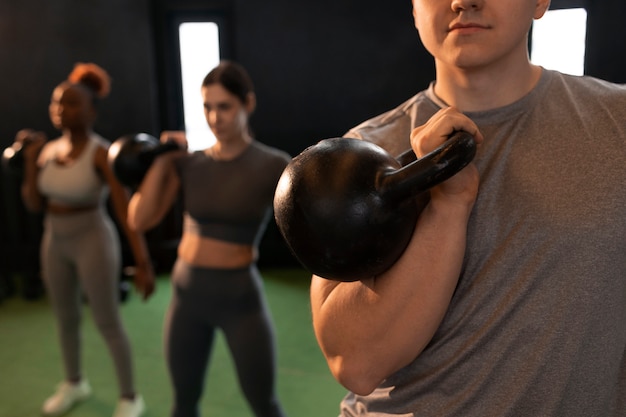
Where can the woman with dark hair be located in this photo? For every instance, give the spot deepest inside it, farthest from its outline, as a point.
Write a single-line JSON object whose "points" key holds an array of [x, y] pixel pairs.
{"points": [[68, 179], [228, 192]]}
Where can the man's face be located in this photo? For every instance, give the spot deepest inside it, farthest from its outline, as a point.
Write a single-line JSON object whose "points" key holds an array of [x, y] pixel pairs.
{"points": [[475, 33]]}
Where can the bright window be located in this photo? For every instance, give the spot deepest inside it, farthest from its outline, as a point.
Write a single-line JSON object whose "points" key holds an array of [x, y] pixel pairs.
{"points": [[199, 53], [558, 40]]}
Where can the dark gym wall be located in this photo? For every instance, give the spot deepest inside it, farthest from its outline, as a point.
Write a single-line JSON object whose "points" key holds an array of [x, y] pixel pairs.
{"points": [[606, 40], [40, 42], [323, 68], [319, 67]]}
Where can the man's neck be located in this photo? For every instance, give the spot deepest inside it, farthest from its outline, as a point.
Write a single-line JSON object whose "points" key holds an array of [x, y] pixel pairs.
{"points": [[480, 89]]}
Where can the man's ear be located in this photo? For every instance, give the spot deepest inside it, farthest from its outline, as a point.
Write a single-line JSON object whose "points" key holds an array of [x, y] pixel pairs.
{"points": [[541, 8]]}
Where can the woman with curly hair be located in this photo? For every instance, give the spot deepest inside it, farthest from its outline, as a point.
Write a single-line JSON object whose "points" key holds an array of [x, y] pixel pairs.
{"points": [[68, 179]]}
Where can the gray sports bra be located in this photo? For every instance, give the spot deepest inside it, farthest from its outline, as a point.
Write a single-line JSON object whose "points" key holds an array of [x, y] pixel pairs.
{"points": [[231, 200]]}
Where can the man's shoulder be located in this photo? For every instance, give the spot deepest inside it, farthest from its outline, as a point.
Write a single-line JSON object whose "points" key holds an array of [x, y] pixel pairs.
{"points": [[590, 85], [392, 129]]}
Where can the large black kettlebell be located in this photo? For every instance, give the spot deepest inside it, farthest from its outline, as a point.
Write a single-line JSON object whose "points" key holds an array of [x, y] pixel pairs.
{"points": [[130, 156], [346, 208]]}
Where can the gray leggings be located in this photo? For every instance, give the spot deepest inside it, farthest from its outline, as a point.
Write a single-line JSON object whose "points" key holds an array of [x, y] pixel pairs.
{"points": [[231, 300], [83, 251]]}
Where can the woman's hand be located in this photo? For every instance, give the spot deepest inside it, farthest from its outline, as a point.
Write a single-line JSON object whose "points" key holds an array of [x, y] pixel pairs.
{"points": [[32, 142], [144, 280], [178, 136]]}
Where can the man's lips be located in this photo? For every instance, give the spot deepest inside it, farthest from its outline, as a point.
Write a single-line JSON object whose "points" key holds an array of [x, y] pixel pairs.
{"points": [[466, 27]]}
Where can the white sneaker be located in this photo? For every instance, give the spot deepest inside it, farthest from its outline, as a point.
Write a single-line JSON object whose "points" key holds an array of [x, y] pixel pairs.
{"points": [[66, 396], [130, 408]]}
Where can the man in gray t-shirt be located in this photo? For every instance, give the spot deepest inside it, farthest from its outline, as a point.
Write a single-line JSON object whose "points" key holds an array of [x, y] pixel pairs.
{"points": [[510, 299]]}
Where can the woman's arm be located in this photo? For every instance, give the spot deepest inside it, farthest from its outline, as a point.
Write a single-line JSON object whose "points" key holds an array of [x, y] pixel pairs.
{"points": [[371, 328], [156, 194], [160, 186], [144, 273], [32, 143]]}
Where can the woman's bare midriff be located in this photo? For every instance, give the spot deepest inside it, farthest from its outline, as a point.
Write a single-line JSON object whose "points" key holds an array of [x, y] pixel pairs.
{"points": [[212, 253]]}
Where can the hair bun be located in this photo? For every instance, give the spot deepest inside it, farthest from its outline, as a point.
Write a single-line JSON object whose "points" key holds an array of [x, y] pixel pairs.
{"points": [[93, 76]]}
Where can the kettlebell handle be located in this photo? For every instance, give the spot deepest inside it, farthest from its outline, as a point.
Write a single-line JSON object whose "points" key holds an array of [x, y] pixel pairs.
{"points": [[149, 155], [419, 175]]}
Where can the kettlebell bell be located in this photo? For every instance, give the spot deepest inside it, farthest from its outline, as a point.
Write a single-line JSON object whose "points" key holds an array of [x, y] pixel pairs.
{"points": [[130, 156]]}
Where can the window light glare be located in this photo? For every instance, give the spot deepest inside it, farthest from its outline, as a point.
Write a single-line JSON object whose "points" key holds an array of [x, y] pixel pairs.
{"points": [[558, 40], [199, 53]]}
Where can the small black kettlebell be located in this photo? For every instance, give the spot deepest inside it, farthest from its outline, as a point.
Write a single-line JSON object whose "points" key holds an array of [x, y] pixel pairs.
{"points": [[130, 156]]}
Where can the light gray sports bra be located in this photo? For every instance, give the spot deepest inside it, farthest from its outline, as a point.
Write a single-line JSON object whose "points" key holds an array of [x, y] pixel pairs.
{"points": [[74, 184]]}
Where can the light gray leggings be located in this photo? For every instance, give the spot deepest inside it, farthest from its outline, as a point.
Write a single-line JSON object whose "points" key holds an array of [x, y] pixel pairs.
{"points": [[83, 251], [204, 300]]}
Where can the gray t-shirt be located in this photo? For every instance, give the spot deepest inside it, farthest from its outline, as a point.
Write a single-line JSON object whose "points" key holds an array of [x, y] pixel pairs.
{"points": [[537, 324]]}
